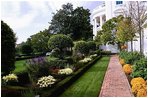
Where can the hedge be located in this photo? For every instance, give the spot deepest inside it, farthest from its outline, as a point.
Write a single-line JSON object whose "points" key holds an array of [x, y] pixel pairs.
{"points": [[28, 57]]}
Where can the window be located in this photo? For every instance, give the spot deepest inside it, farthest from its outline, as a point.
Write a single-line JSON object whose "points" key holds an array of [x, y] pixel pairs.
{"points": [[119, 2]]}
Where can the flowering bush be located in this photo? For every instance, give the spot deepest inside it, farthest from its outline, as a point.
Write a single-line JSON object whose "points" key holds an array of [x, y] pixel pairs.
{"points": [[142, 93], [139, 87], [10, 78], [127, 68], [93, 56], [66, 71], [37, 67], [138, 80], [122, 62], [46, 81], [85, 60]]}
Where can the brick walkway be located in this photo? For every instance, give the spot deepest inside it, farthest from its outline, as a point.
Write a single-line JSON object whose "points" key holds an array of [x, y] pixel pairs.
{"points": [[115, 83]]}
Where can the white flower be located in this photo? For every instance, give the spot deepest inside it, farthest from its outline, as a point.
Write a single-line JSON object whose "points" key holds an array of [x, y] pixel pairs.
{"points": [[10, 77], [66, 71], [46, 81], [85, 60]]}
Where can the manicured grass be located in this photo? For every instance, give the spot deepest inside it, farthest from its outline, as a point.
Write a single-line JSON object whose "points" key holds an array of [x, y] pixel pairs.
{"points": [[20, 65], [89, 84]]}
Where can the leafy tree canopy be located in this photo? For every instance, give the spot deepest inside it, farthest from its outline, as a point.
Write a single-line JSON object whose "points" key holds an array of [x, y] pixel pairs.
{"points": [[72, 22]]}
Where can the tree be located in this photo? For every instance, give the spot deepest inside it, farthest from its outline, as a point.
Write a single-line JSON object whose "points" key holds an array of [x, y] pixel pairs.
{"points": [[72, 22], [8, 48], [137, 12], [61, 21], [26, 49], [39, 41], [125, 31], [61, 42], [108, 32], [82, 29]]}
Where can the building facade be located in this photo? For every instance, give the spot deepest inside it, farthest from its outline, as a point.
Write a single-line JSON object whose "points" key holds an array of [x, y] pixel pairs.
{"points": [[106, 11]]}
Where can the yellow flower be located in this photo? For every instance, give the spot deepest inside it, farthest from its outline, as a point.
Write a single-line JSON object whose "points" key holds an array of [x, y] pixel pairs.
{"points": [[141, 93], [10, 77], [122, 62], [138, 80], [136, 87], [127, 68]]}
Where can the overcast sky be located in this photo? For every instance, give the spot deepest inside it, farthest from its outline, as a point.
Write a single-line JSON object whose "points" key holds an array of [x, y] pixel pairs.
{"points": [[29, 17]]}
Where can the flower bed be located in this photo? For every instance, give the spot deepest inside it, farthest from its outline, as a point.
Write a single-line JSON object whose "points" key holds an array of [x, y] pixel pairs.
{"points": [[135, 68], [41, 82]]}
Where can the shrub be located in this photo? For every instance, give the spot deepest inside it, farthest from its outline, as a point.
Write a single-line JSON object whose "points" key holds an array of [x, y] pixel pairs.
{"points": [[139, 87], [23, 78], [105, 52], [69, 60], [130, 57], [46, 81], [122, 62], [140, 68], [26, 49], [77, 56], [56, 53], [138, 80], [37, 67], [81, 47], [57, 63], [7, 49], [91, 45], [142, 93], [60, 41], [66, 71], [127, 68], [123, 54], [98, 52]]}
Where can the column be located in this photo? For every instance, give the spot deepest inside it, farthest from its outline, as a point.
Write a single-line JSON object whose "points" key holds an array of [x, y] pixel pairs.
{"points": [[95, 27]]}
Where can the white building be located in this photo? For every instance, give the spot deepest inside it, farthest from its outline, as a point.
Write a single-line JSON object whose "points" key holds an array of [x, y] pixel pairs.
{"points": [[106, 11]]}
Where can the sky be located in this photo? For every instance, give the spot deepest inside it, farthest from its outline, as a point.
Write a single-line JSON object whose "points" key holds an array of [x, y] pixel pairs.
{"points": [[29, 17]]}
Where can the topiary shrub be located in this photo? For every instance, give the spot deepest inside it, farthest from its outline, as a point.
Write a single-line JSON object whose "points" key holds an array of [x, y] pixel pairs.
{"points": [[91, 46], [7, 49], [81, 47], [62, 42]]}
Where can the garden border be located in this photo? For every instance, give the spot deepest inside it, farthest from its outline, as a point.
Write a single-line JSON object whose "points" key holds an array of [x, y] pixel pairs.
{"points": [[64, 84]]}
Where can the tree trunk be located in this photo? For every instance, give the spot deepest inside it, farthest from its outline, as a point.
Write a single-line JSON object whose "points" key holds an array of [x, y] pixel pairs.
{"points": [[140, 42], [132, 45]]}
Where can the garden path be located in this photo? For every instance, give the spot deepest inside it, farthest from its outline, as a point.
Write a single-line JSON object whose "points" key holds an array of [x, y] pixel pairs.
{"points": [[115, 82]]}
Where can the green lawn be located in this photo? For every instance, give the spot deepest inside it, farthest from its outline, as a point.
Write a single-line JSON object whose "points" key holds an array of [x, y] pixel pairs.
{"points": [[20, 65], [89, 84]]}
